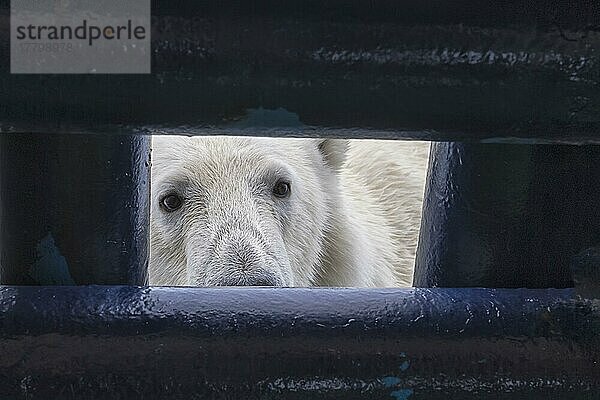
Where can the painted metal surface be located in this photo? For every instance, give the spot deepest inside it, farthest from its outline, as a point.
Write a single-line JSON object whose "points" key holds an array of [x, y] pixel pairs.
{"points": [[74, 209], [508, 215], [469, 70], [128, 342], [438, 70]]}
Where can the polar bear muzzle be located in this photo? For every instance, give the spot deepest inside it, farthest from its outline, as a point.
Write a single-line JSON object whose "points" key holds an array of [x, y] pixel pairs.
{"points": [[239, 260]]}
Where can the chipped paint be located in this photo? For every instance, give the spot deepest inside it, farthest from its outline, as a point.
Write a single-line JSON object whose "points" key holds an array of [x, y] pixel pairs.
{"points": [[390, 381], [404, 366], [50, 267], [402, 394]]}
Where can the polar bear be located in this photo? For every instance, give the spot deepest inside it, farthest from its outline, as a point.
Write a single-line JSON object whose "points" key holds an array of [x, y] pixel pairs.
{"points": [[248, 211]]}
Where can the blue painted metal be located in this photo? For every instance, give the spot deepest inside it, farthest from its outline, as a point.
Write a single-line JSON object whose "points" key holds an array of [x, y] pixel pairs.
{"points": [[439, 70], [467, 70], [508, 215], [74, 209], [128, 342]]}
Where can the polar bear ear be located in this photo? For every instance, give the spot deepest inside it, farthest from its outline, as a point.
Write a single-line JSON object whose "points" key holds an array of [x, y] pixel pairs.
{"points": [[334, 152]]}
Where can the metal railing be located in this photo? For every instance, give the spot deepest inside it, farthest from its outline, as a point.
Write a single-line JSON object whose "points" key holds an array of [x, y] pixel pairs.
{"points": [[503, 87]]}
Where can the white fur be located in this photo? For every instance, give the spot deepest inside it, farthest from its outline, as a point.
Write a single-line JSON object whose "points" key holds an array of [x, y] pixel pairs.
{"points": [[352, 217]]}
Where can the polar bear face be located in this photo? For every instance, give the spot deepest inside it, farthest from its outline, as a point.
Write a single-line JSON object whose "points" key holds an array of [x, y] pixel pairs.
{"points": [[240, 211]]}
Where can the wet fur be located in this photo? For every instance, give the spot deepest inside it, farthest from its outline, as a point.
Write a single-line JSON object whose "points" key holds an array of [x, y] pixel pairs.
{"points": [[352, 218]]}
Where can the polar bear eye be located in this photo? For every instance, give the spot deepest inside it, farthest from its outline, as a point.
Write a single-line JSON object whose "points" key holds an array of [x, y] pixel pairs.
{"points": [[171, 202], [282, 189]]}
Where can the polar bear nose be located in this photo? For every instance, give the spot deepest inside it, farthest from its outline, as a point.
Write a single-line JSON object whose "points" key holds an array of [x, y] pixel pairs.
{"points": [[243, 263], [242, 257], [260, 280]]}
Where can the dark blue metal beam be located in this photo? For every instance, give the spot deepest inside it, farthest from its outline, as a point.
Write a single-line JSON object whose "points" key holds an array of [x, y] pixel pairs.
{"points": [[445, 71], [436, 70], [74, 209], [107, 342], [506, 215]]}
